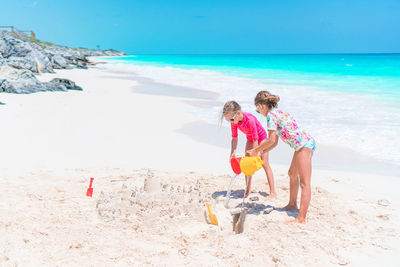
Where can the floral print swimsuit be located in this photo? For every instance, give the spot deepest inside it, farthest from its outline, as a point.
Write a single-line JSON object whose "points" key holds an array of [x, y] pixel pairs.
{"points": [[289, 131]]}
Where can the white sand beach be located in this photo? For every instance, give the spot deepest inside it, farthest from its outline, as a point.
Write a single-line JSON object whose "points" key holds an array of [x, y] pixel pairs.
{"points": [[128, 139]]}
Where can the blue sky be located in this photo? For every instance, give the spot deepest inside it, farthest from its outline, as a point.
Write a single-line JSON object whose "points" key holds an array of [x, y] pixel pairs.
{"points": [[212, 27]]}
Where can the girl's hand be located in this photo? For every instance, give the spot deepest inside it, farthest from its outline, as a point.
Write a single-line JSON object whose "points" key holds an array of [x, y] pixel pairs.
{"points": [[252, 152]]}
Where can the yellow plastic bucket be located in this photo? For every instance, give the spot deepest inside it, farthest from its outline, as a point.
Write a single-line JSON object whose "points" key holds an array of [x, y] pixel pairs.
{"points": [[249, 165]]}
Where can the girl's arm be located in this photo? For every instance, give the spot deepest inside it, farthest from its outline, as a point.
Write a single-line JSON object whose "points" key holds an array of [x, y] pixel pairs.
{"points": [[271, 142], [233, 146], [276, 139], [251, 145]]}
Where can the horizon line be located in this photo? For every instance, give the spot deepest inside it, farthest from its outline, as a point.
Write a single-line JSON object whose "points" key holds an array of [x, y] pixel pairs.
{"points": [[272, 54]]}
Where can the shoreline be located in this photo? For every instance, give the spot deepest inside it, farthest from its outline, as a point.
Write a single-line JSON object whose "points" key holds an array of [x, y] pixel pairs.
{"points": [[56, 141], [325, 157]]}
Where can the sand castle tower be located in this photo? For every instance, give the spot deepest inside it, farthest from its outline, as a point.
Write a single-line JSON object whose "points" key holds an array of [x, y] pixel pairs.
{"points": [[152, 183]]}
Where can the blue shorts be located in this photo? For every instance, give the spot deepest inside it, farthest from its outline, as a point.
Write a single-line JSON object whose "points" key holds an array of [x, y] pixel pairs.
{"points": [[310, 144]]}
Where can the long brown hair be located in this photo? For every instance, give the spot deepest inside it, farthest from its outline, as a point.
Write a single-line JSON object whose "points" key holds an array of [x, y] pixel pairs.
{"points": [[266, 98]]}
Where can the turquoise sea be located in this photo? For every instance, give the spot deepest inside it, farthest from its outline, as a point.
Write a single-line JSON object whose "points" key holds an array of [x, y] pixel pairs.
{"points": [[349, 100], [375, 74]]}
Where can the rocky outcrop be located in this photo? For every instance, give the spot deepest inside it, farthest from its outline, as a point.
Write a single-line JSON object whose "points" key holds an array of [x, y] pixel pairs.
{"points": [[22, 81], [22, 58]]}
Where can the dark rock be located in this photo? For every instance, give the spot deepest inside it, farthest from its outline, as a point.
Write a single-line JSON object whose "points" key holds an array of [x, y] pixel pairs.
{"points": [[34, 61], [65, 84], [6, 86], [21, 57], [59, 62], [22, 81]]}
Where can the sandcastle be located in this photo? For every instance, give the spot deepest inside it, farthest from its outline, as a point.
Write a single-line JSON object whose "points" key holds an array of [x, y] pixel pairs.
{"points": [[153, 199], [154, 202]]}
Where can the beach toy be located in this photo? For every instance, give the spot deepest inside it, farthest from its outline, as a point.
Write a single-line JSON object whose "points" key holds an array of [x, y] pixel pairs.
{"points": [[249, 165], [89, 191], [211, 217], [235, 164]]}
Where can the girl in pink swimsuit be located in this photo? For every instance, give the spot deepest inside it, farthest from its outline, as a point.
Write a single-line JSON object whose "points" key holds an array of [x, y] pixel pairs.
{"points": [[255, 134]]}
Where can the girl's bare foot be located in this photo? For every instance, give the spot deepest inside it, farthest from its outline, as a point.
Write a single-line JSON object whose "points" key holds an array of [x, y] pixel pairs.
{"points": [[247, 193], [297, 220], [290, 207], [271, 195]]}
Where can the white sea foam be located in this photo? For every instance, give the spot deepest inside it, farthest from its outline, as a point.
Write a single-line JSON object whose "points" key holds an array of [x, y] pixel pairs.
{"points": [[334, 118]]}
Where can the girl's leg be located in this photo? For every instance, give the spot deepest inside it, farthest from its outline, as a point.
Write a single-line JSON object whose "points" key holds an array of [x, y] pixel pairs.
{"points": [[249, 145], [248, 186], [293, 184], [303, 163], [269, 173]]}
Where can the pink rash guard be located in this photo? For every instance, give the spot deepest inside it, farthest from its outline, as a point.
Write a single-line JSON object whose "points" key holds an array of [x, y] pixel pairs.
{"points": [[251, 127]]}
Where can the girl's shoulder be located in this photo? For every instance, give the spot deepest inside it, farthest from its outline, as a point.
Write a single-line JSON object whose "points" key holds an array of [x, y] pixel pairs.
{"points": [[248, 115], [276, 111]]}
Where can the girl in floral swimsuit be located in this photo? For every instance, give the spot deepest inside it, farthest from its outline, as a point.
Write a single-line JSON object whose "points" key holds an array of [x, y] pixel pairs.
{"points": [[283, 125], [255, 134]]}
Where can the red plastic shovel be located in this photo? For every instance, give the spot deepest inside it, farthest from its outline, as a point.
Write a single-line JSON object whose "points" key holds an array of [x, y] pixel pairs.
{"points": [[89, 191]]}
